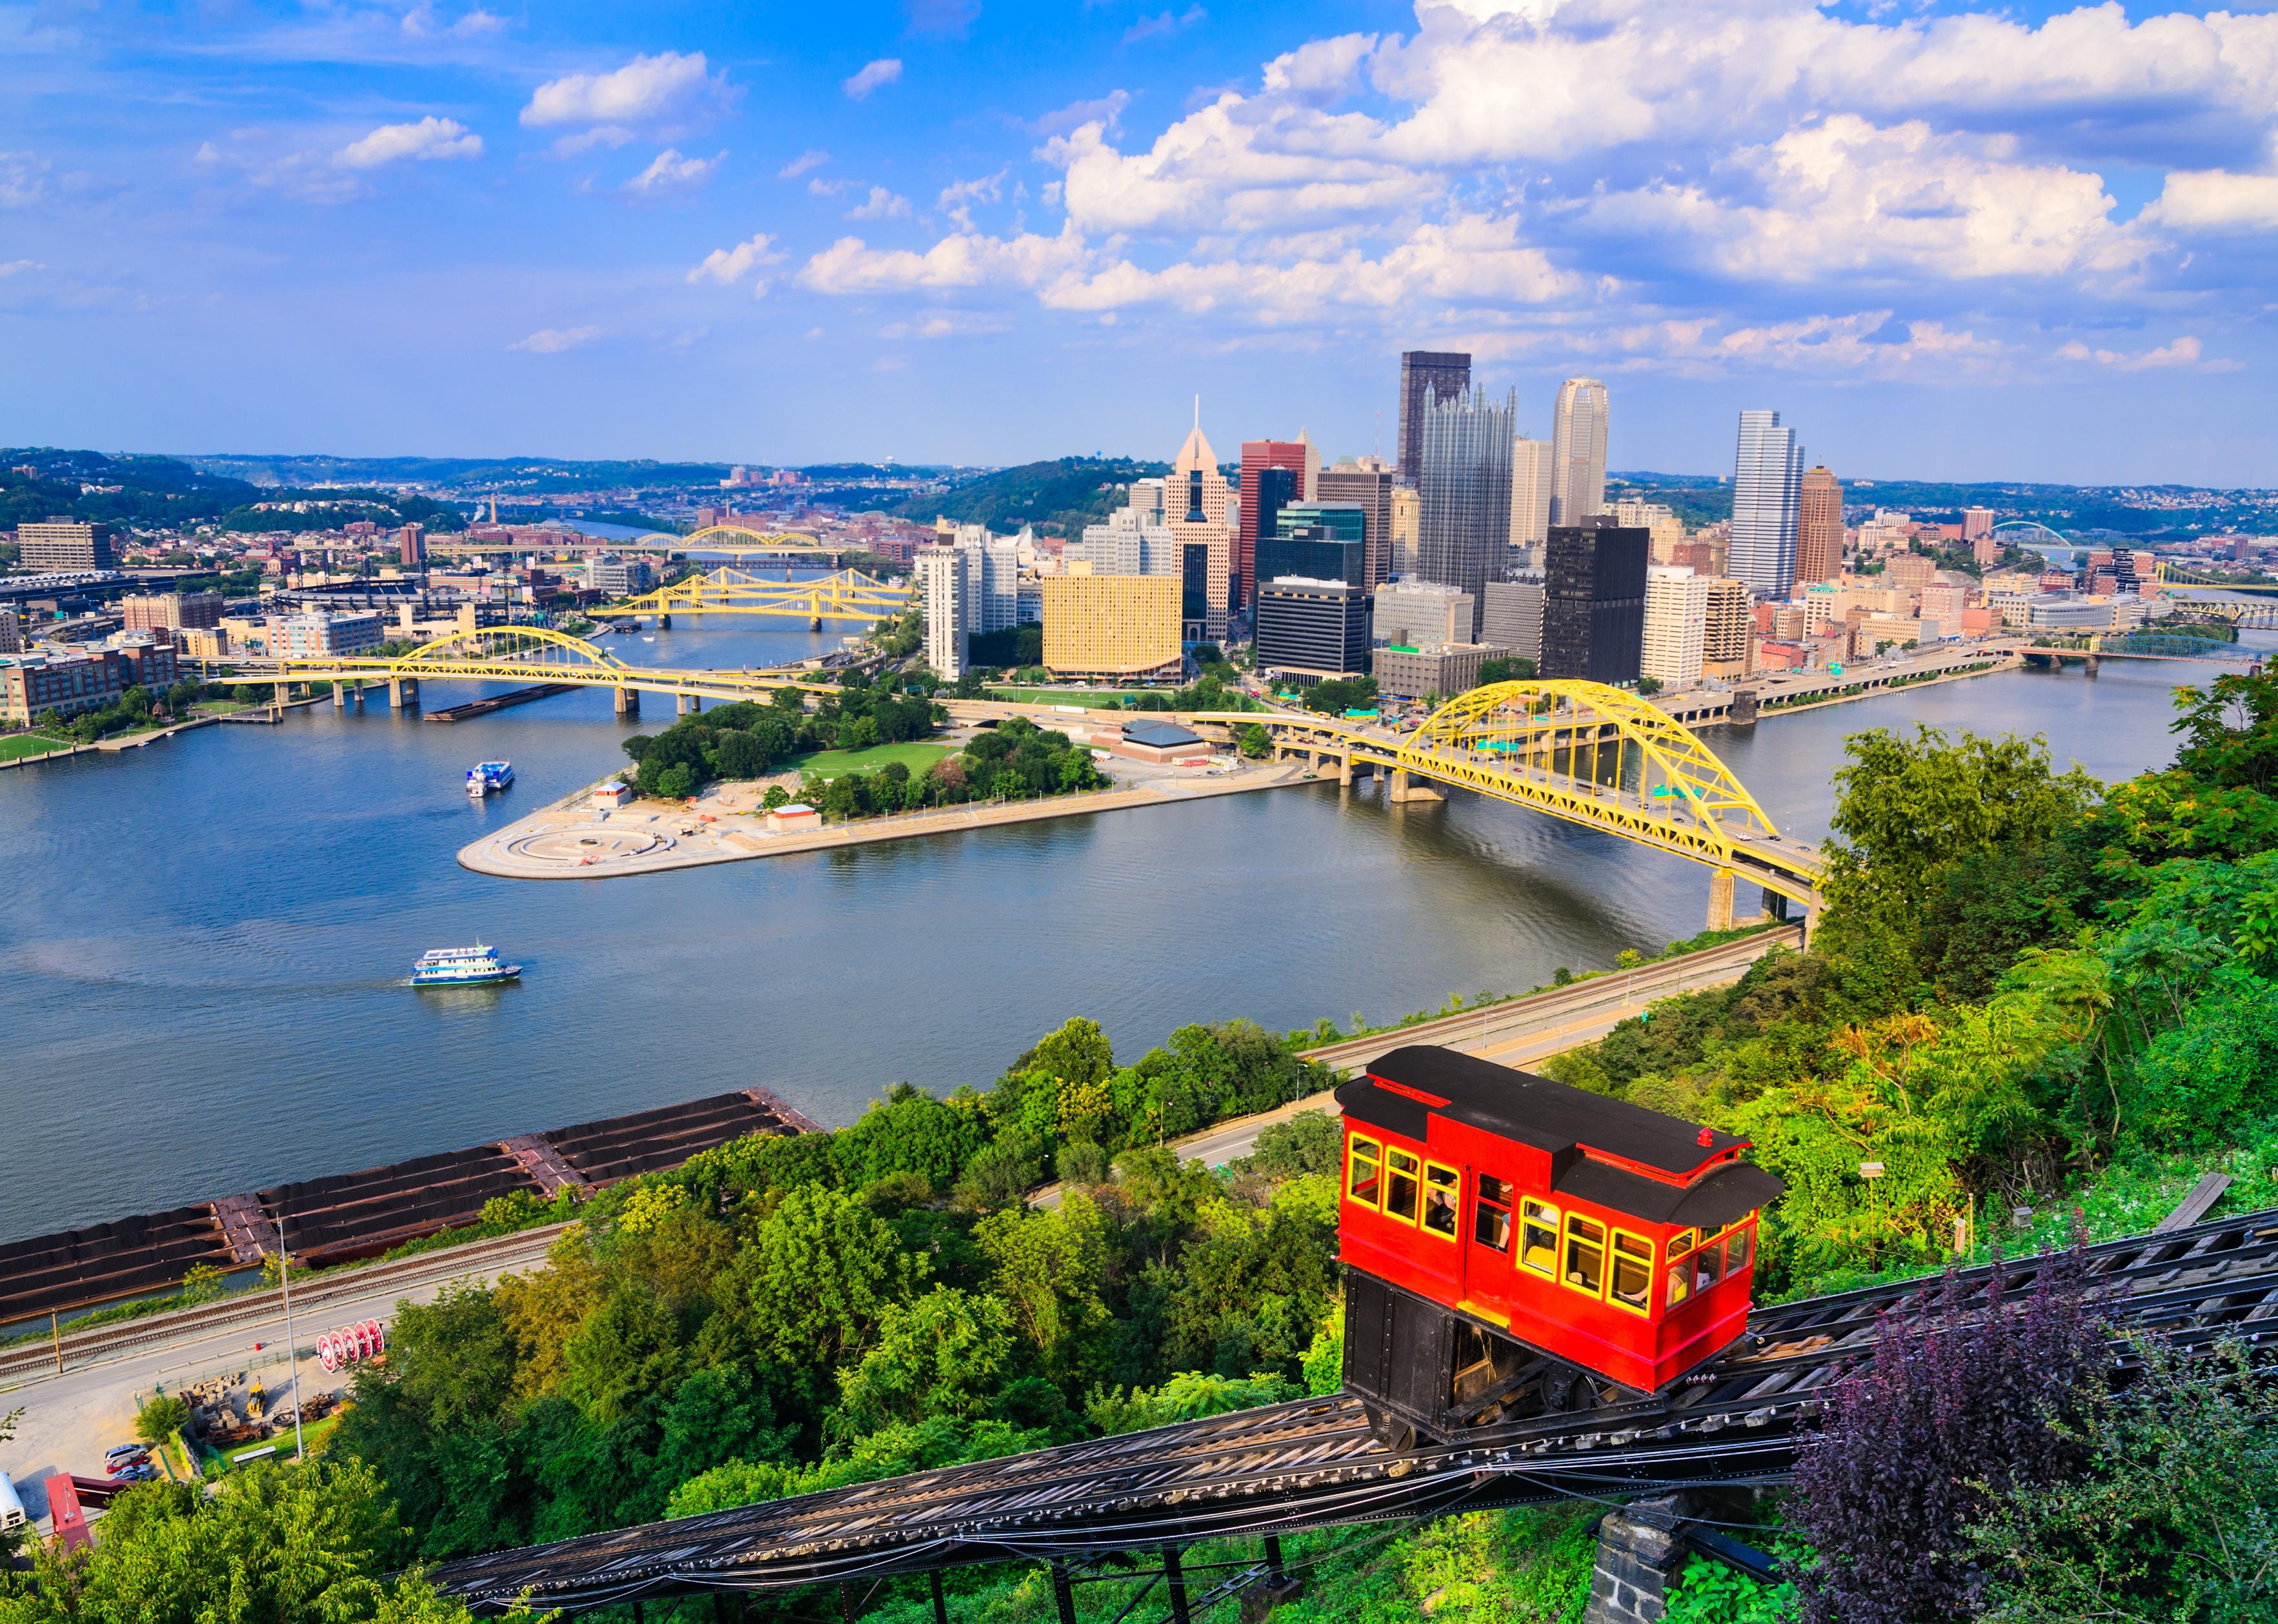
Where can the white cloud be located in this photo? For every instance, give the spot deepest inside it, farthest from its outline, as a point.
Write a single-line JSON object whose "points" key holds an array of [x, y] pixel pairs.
{"points": [[609, 136], [730, 266], [553, 341], [812, 158], [23, 179], [668, 172], [1106, 111], [881, 205], [1163, 22], [430, 139], [2216, 200], [885, 70], [817, 186], [19, 267], [947, 325], [422, 23], [963, 261], [646, 90], [2184, 352]]}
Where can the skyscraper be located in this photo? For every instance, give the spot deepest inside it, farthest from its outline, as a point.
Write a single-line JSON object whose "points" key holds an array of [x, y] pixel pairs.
{"points": [[1577, 451], [1594, 601], [1196, 500], [1463, 525], [1366, 483], [1446, 374], [1530, 480], [941, 583], [1767, 500], [1676, 623], [1819, 527], [1300, 460]]}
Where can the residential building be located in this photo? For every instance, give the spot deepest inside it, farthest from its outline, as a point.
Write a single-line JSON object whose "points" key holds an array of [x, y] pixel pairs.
{"points": [[12, 632], [145, 660], [411, 545], [1675, 632], [1198, 503], [618, 577], [316, 635], [205, 642], [1942, 605], [1977, 522], [992, 579], [1767, 498], [1912, 571], [1326, 540], [1407, 509], [1578, 454], [1299, 465], [1512, 616], [63, 543], [72, 680], [171, 611], [1824, 603], [1111, 626], [1135, 541], [1594, 601], [1311, 629], [1445, 374], [1367, 483], [1819, 527], [1664, 530], [1463, 530], [941, 575], [1417, 612], [1728, 638], [1431, 670], [1531, 477]]}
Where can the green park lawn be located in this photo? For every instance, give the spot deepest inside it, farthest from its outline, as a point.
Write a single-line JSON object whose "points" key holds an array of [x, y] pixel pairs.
{"points": [[15, 745], [1091, 699], [917, 756]]}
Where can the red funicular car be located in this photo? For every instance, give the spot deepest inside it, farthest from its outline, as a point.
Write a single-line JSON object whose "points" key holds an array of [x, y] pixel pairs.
{"points": [[1513, 1246]]}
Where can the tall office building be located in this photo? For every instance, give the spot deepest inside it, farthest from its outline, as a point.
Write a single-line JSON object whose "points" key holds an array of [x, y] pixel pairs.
{"points": [[1262, 495], [1530, 480], [1446, 374], [1676, 624], [63, 543], [1311, 629], [1594, 601], [172, 611], [1421, 612], [941, 574], [1728, 638], [1135, 541], [1197, 500], [1512, 616], [1464, 526], [1577, 451], [1819, 527], [1366, 483], [1766, 501], [1405, 511], [1320, 541]]}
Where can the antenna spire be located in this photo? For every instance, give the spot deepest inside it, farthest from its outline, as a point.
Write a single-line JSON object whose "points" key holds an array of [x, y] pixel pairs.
{"points": [[1199, 413]]}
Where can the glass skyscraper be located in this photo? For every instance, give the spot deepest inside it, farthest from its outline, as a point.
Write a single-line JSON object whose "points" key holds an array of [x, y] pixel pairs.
{"points": [[1766, 501], [1463, 528], [1577, 451]]}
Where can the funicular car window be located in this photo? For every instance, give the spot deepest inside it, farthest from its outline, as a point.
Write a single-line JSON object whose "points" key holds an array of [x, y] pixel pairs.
{"points": [[1706, 1263], [1739, 1247], [1442, 1191], [1364, 1176], [1586, 1255], [1400, 1185], [1491, 1213], [1630, 1285], [1538, 1240]]}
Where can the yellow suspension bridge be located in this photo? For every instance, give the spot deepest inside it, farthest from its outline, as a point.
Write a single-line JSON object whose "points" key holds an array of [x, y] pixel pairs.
{"points": [[847, 595], [1601, 757], [739, 541]]}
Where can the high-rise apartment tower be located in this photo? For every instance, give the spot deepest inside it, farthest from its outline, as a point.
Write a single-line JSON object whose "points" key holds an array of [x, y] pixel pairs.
{"points": [[1577, 451], [1767, 503]]}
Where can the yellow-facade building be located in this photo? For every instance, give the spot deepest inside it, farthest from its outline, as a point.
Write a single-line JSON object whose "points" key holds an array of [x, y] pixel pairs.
{"points": [[1110, 626]]}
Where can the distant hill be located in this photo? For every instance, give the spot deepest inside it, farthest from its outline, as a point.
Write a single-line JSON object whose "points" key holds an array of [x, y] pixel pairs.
{"points": [[121, 490], [1066, 493], [469, 475]]}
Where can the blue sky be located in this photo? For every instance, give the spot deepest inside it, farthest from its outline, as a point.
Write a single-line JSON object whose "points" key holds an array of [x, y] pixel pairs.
{"points": [[2035, 243]]}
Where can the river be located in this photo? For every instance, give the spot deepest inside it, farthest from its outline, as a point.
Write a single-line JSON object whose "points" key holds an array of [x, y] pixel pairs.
{"points": [[203, 945]]}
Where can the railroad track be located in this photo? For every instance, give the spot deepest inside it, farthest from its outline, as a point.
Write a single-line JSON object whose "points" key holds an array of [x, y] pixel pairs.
{"points": [[1314, 1463], [31, 1361]]}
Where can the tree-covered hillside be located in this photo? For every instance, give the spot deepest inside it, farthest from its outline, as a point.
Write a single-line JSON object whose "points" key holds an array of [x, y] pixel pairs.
{"points": [[1067, 493], [507, 476], [123, 490]]}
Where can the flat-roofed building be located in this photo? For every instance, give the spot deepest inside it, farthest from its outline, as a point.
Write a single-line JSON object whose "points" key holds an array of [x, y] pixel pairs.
{"points": [[63, 543], [1728, 638], [1594, 601], [12, 632], [1513, 617], [1434, 670], [1676, 624], [1418, 612], [31, 685], [1366, 483], [941, 573], [171, 611], [1311, 628], [317, 636], [1111, 626]]}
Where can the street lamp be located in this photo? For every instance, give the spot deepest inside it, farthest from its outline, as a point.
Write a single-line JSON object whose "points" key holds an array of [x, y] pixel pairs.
{"points": [[292, 1348]]}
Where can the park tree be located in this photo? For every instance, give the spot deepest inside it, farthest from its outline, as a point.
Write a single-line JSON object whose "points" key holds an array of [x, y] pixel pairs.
{"points": [[812, 1285], [944, 1354], [1051, 1270]]}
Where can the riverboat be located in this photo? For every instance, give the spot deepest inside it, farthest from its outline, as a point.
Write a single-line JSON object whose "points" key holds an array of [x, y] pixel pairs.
{"points": [[485, 777], [474, 967]]}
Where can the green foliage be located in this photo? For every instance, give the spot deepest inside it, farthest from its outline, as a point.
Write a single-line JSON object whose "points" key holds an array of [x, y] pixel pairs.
{"points": [[1014, 645], [1309, 1142], [812, 1286], [1256, 743], [1334, 696], [1708, 1592], [1529, 1567], [1188, 1395], [1516, 668], [317, 1540], [159, 1419], [1067, 493]]}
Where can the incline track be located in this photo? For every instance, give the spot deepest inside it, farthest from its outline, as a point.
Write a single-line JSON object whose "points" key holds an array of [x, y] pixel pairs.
{"points": [[1312, 1462]]}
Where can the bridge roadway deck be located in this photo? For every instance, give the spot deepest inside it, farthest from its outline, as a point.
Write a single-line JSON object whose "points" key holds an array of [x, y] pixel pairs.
{"points": [[1313, 1463]]}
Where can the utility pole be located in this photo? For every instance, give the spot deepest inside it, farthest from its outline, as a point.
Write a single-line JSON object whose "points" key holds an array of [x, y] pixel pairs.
{"points": [[292, 1348]]}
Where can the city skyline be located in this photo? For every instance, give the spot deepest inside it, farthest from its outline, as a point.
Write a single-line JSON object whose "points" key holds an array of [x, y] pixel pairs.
{"points": [[431, 228]]}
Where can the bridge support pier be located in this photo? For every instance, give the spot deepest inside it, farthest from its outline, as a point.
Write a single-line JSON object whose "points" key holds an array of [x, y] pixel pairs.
{"points": [[680, 704], [1404, 789], [2095, 664], [628, 702], [664, 622], [284, 694], [403, 691], [340, 697], [1720, 900], [1637, 1556]]}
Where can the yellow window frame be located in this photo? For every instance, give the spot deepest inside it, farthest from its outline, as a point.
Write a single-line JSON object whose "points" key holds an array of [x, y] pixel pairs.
{"points": [[1374, 1154], [1527, 1207], [1414, 1175], [1566, 1238], [1643, 1258], [1453, 1185]]}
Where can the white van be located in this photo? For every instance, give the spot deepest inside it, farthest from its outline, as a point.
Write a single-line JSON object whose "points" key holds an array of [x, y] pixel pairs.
{"points": [[11, 1506]]}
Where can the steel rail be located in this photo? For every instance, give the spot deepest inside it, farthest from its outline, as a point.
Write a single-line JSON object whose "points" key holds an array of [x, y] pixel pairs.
{"points": [[1314, 1463]]}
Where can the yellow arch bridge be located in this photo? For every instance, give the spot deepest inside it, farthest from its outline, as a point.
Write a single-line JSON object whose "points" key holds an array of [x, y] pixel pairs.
{"points": [[526, 655], [739, 541], [848, 595], [1601, 757]]}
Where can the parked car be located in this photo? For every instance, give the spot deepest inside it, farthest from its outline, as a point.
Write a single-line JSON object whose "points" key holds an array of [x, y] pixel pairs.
{"points": [[123, 1453], [133, 1472]]}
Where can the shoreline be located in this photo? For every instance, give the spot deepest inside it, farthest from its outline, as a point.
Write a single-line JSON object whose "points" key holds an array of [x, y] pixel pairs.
{"points": [[666, 834], [2009, 662]]}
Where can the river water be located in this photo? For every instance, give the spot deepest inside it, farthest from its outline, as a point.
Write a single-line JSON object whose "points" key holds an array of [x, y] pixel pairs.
{"points": [[203, 943]]}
